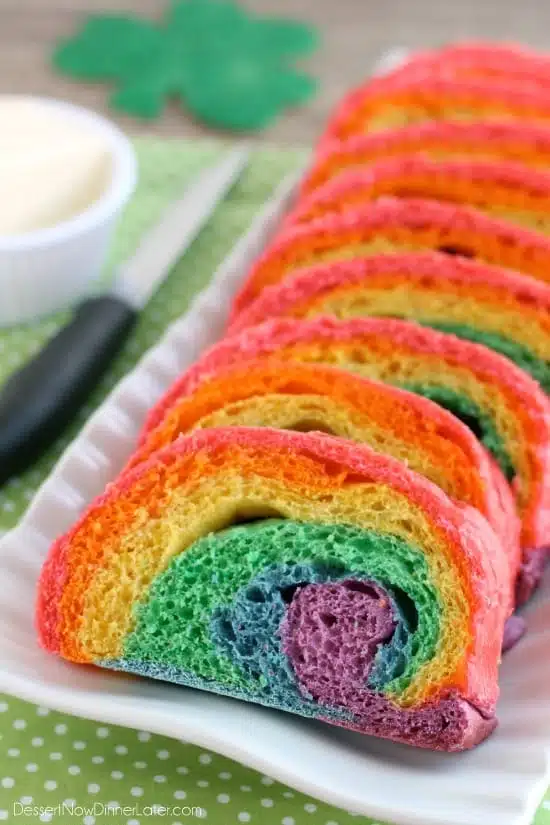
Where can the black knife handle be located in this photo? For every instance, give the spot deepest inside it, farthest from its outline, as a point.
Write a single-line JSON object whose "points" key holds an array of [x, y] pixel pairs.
{"points": [[40, 400]]}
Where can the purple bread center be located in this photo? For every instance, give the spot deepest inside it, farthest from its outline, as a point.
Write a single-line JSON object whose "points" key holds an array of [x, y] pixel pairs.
{"points": [[332, 633]]}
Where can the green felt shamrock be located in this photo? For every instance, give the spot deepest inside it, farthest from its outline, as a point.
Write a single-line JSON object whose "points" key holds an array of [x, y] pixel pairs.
{"points": [[232, 69]]}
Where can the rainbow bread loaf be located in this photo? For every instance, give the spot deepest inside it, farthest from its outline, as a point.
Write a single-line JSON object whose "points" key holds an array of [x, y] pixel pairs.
{"points": [[527, 144], [305, 397], [500, 309], [364, 597], [501, 403], [396, 225], [336, 510], [510, 191]]}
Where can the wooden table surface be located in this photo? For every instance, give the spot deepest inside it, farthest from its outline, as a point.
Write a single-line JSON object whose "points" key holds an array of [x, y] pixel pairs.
{"points": [[354, 33]]}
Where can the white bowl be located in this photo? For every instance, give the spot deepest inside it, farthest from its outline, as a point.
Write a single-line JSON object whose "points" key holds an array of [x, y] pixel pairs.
{"points": [[49, 269]]}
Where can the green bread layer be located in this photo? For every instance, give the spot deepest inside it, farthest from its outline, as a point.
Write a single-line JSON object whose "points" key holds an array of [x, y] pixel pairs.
{"points": [[520, 355], [174, 626], [471, 414]]}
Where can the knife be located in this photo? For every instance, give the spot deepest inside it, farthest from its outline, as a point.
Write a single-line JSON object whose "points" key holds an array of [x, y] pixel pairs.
{"points": [[39, 401]]}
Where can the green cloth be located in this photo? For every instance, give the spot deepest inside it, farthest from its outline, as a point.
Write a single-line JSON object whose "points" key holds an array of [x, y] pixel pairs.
{"points": [[47, 758]]}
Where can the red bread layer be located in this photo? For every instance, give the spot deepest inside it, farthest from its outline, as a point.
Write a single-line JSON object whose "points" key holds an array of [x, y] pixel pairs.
{"points": [[460, 228], [507, 61], [483, 184], [426, 268]]}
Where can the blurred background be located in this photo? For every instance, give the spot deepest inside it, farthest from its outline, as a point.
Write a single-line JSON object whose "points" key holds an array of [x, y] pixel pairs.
{"points": [[354, 34]]}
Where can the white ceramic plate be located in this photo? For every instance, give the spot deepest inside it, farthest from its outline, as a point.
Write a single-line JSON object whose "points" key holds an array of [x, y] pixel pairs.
{"points": [[500, 783]]}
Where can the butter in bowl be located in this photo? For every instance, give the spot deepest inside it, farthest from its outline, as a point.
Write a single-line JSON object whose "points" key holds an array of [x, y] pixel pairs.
{"points": [[65, 176]]}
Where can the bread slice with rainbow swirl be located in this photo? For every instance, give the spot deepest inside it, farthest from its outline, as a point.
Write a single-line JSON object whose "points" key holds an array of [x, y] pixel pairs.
{"points": [[415, 97], [507, 191], [499, 308], [393, 226], [525, 144], [363, 596]]}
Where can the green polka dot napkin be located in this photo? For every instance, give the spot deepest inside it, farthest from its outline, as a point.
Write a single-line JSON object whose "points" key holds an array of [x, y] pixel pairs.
{"points": [[57, 768]]}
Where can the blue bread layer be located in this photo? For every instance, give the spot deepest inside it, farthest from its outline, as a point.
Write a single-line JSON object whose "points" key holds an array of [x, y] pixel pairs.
{"points": [[248, 630]]}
